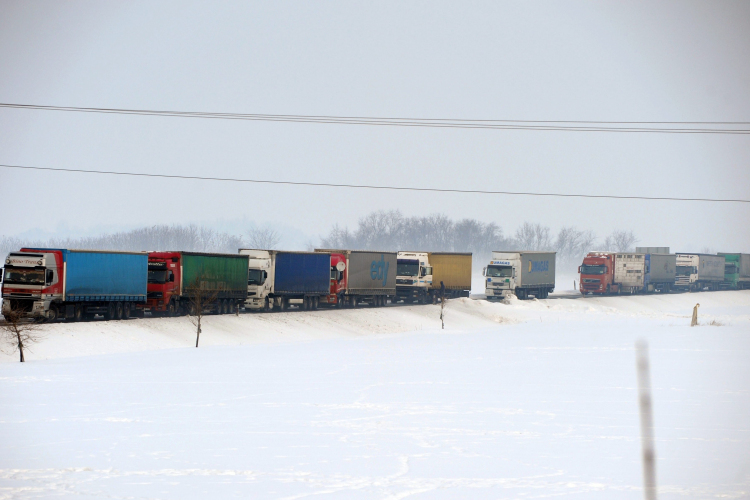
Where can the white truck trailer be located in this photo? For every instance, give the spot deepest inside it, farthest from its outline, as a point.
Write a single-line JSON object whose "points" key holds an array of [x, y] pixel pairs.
{"points": [[630, 271], [521, 274]]}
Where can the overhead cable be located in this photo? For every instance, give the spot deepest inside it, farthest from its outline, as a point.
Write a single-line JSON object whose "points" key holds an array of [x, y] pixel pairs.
{"points": [[667, 127], [368, 186]]}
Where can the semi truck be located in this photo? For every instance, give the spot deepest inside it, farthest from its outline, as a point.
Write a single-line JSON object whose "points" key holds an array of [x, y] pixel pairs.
{"points": [[736, 271], [698, 271], [413, 277], [520, 273], [420, 273], [176, 278], [278, 280], [49, 283], [453, 269], [359, 276], [597, 273]]}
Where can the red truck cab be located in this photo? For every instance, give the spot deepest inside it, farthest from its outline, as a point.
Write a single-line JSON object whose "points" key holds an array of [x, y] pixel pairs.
{"points": [[33, 282], [597, 273], [338, 280], [164, 283]]}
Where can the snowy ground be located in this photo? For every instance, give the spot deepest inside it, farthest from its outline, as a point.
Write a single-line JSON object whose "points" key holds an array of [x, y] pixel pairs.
{"points": [[521, 400]]}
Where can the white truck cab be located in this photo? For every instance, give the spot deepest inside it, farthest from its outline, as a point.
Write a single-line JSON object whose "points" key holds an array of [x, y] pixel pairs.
{"points": [[413, 276], [259, 279], [500, 277], [520, 273]]}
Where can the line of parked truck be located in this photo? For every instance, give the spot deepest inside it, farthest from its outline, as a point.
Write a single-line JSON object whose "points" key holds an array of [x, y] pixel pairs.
{"points": [[654, 270], [82, 284]]}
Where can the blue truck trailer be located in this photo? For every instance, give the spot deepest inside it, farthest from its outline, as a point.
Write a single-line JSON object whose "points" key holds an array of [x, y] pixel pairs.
{"points": [[299, 278], [56, 283]]}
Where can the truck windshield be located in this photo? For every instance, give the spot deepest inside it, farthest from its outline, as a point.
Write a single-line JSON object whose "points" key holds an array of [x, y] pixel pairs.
{"points": [[407, 268], [24, 276], [157, 277], [684, 270], [255, 277], [600, 269], [499, 271], [730, 268]]}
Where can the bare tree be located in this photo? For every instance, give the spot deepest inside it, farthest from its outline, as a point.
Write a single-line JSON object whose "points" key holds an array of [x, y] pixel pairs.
{"points": [[18, 332], [533, 237], [572, 244], [201, 301], [620, 241], [263, 238]]}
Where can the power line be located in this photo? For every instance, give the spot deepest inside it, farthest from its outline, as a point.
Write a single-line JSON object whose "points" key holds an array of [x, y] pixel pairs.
{"points": [[367, 186], [686, 127]]}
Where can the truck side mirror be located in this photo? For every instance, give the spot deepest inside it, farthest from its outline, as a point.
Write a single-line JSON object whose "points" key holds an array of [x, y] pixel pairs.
{"points": [[171, 277], [50, 276], [579, 269], [484, 271], [1, 275]]}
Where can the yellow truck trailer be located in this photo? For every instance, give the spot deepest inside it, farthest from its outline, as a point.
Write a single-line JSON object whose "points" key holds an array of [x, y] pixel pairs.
{"points": [[454, 270]]}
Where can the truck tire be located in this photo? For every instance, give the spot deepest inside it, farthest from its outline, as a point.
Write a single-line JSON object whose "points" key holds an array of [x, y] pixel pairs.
{"points": [[126, 311], [118, 310], [110, 314], [266, 305], [353, 301], [78, 314], [52, 314]]}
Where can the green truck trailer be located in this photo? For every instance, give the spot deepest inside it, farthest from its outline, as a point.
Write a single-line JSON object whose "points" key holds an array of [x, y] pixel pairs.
{"points": [[175, 279], [736, 271]]}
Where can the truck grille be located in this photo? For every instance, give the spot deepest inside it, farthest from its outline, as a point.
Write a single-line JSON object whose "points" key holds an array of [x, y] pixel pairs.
{"points": [[155, 295], [588, 280], [404, 282], [682, 280]]}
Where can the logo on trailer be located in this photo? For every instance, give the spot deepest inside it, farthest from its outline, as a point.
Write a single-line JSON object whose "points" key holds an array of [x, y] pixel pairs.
{"points": [[379, 270], [538, 266]]}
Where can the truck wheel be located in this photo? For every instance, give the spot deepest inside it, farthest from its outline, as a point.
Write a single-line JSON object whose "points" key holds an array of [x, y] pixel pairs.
{"points": [[78, 313], [171, 309], [266, 305], [52, 314], [353, 301], [126, 311], [110, 311], [118, 310]]}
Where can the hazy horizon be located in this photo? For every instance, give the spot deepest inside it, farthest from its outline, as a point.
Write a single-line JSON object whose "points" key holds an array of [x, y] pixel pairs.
{"points": [[663, 61]]}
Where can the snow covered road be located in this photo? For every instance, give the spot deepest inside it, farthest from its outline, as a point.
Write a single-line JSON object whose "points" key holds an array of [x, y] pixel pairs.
{"points": [[521, 400]]}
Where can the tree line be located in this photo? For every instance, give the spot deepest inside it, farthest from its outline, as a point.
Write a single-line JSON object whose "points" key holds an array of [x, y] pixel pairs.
{"points": [[387, 230], [390, 231]]}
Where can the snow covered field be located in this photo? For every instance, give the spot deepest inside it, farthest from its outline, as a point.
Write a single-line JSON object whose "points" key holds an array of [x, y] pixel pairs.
{"points": [[529, 399]]}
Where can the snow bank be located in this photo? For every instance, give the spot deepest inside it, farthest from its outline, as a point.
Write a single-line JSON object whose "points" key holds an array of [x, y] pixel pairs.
{"points": [[101, 337]]}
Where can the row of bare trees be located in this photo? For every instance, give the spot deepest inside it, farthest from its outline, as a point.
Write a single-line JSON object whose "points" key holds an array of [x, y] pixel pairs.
{"points": [[391, 230]]}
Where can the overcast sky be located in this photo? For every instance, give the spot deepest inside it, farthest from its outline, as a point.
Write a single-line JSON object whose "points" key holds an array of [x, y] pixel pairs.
{"points": [[663, 61]]}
